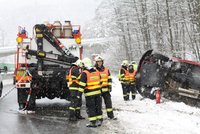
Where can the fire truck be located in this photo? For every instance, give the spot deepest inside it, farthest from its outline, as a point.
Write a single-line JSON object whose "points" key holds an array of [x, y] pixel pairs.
{"points": [[43, 61]]}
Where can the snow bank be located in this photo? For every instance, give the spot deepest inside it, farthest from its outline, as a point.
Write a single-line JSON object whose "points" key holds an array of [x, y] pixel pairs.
{"points": [[144, 116]]}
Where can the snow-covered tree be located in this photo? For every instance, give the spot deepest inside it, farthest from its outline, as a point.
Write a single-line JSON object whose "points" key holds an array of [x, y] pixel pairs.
{"points": [[131, 27]]}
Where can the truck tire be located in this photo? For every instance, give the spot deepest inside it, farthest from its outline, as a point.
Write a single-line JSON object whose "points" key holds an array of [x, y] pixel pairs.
{"points": [[1, 88], [22, 98]]}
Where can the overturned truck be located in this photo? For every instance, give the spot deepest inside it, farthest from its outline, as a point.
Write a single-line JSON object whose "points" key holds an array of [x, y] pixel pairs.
{"points": [[177, 79]]}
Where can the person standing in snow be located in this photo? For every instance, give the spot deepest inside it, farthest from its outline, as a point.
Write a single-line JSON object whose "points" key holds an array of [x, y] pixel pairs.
{"points": [[76, 103], [134, 65], [132, 85], [90, 85], [106, 85], [124, 79]]}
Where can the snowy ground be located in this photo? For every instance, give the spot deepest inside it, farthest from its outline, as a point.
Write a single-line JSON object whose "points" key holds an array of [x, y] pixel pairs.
{"points": [[144, 116]]}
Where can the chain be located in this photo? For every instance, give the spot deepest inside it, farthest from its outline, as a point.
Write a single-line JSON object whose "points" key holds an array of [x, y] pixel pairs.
{"points": [[6, 94]]}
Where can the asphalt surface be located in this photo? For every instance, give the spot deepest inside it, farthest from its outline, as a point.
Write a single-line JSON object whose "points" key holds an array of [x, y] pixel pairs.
{"points": [[51, 117]]}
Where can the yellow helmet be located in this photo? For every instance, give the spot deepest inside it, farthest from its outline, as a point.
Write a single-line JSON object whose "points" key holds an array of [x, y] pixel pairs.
{"points": [[125, 63], [87, 62]]}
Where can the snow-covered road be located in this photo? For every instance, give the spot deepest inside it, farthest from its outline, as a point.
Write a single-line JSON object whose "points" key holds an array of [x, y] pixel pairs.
{"points": [[144, 116], [139, 116]]}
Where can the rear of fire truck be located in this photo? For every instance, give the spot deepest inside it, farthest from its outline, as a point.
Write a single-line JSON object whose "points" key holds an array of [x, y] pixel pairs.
{"points": [[43, 61]]}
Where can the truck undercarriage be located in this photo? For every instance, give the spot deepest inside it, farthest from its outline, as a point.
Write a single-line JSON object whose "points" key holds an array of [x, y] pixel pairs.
{"points": [[176, 78]]}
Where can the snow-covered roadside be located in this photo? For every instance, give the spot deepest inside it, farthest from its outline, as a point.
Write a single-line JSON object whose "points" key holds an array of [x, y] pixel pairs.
{"points": [[7, 82], [144, 116]]}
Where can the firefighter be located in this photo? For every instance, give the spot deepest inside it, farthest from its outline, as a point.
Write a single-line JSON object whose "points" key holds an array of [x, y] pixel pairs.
{"points": [[132, 85], [76, 103], [90, 85], [134, 65], [124, 79], [106, 85]]}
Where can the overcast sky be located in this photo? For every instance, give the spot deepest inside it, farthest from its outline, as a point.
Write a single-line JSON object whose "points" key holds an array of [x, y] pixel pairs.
{"points": [[77, 10], [27, 13]]}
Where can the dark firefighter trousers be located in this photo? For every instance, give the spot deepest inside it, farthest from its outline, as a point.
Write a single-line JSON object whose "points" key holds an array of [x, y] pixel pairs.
{"points": [[125, 88], [76, 102], [94, 107], [108, 103], [131, 90]]}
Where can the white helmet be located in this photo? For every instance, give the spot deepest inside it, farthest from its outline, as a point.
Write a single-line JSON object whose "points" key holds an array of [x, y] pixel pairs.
{"points": [[125, 63], [78, 63], [130, 65], [133, 62], [99, 58], [87, 62], [46, 23]]}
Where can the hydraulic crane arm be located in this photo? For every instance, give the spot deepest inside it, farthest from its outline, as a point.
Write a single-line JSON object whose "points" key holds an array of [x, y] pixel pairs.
{"points": [[43, 31], [56, 58]]}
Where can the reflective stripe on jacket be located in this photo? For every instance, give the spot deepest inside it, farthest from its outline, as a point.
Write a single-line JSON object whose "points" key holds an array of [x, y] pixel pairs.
{"points": [[72, 78], [132, 76], [124, 77], [104, 77], [90, 83], [106, 80], [93, 80]]}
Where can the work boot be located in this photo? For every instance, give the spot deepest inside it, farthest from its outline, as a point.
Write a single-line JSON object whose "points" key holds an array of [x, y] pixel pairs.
{"points": [[133, 97], [72, 116], [126, 98], [91, 124], [99, 122], [111, 116], [78, 115]]}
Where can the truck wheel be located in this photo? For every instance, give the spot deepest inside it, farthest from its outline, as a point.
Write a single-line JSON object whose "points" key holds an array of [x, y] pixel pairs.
{"points": [[1, 88], [32, 106]]}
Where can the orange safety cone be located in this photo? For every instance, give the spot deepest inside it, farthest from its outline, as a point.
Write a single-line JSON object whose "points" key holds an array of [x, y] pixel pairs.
{"points": [[158, 96]]}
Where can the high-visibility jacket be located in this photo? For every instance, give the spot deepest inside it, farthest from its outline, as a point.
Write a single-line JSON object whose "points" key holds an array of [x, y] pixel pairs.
{"points": [[132, 76], [135, 66], [73, 78], [124, 75], [90, 82], [106, 81]]}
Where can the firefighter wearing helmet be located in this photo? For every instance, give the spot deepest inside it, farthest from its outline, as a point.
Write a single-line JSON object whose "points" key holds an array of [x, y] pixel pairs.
{"points": [[134, 65], [124, 79], [131, 85], [90, 85], [106, 85], [74, 72]]}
